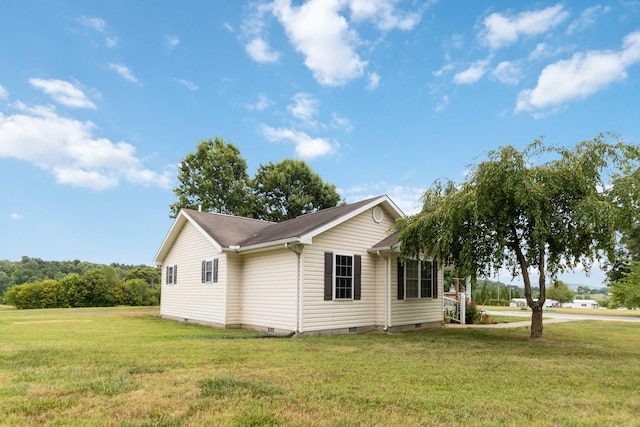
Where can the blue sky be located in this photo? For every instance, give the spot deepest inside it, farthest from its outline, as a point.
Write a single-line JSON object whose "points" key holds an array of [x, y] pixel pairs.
{"points": [[99, 101]]}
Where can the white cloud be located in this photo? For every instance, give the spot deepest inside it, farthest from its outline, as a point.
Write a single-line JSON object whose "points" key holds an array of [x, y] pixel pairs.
{"points": [[304, 108], [442, 105], [260, 51], [111, 41], [67, 149], [63, 92], [124, 72], [343, 123], [4, 94], [383, 14], [580, 76], [587, 18], [16, 216], [374, 81], [445, 69], [171, 41], [472, 74], [507, 72], [306, 146], [229, 27], [188, 84], [318, 31], [261, 104], [96, 24], [501, 30]]}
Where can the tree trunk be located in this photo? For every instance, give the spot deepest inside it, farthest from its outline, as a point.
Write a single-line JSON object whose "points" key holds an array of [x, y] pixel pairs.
{"points": [[536, 321]]}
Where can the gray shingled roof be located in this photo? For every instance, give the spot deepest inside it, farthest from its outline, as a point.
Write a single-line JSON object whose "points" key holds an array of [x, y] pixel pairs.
{"points": [[237, 231], [388, 242]]}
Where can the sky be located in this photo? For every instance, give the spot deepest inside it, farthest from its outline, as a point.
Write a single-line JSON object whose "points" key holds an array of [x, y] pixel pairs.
{"points": [[99, 101]]}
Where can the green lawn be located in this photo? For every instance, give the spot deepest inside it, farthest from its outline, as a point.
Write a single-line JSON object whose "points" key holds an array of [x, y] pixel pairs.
{"points": [[128, 367]]}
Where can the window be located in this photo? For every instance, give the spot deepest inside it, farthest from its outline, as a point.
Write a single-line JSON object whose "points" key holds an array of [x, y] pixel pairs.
{"points": [[342, 276], [210, 271], [171, 276], [417, 279]]}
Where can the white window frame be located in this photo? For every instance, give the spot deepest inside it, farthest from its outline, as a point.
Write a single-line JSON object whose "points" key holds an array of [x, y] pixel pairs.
{"points": [[336, 277], [211, 270], [419, 279], [170, 278]]}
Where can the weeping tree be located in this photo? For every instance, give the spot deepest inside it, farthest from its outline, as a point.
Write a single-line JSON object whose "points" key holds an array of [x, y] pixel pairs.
{"points": [[544, 209]]}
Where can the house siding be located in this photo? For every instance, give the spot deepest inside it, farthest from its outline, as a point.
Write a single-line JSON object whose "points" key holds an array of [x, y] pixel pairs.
{"points": [[352, 237], [190, 299], [412, 311], [233, 315], [269, 290]]}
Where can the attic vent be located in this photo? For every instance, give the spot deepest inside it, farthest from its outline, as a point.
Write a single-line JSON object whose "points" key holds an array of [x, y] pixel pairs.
{"points": [[377, 214]]}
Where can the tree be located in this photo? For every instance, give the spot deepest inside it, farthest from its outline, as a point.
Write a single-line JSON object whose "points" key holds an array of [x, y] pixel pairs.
{"points": [[626, 290], [518, 211], [289, 189], [560, 292], [215, 177]]}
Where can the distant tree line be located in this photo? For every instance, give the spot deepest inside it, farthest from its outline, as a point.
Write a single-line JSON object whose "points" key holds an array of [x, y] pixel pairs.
{"points": [[34, 283]]}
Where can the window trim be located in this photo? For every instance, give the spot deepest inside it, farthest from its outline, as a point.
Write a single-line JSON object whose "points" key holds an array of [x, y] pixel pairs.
{"points": [[171, 275], [335, 276], [402, 279], [214, 272], [330, 276]]}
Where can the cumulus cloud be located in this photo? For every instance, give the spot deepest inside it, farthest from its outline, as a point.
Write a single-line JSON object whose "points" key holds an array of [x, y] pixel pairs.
{"points": [[472, 74], [374, 81], [260, 51], [408, 199], [4, 94], [261, 104], [501, 30], [580, 76], [67, 149], [383, 14], [304, 108], [63, 92], [307, 147], [507, 72], [318, 31], [124, 72]]}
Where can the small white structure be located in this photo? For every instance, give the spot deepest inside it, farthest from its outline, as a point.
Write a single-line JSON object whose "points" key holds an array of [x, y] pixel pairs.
{"points": [[581, 303], [522, 302]]}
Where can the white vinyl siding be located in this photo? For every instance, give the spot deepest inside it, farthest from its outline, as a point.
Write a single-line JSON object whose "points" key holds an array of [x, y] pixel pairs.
{"points": [[352, 237], [413, 310], [269, 289], [189, 298]]}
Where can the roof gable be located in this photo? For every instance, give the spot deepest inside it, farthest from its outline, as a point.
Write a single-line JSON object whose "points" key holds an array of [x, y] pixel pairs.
{"points": [[238, 233]]}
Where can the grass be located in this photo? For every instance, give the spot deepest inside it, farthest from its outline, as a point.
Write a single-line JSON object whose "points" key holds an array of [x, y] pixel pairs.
{"points": [[128, 367]]}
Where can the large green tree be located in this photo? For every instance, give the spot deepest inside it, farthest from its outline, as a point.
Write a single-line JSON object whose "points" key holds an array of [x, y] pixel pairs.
{"points": [[215, 178], [289, 189], [546, 209]]}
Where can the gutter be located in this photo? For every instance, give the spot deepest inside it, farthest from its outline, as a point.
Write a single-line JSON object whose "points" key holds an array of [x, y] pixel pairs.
{"points": [[267, 245]]}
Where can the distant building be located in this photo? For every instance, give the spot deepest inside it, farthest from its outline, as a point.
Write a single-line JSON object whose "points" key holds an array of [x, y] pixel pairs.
{"points": [[522, 302], [581, 303]]}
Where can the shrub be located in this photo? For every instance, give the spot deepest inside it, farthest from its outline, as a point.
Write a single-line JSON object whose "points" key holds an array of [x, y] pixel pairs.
{"points": [[472, 314]]}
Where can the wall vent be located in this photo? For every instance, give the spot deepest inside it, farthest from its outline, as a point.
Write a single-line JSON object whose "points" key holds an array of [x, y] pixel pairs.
{"points": [[271, 330], [353, 330], [418, 325]]}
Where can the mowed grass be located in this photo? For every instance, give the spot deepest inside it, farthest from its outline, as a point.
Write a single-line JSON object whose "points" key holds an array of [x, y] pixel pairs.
{"points": [[128, 367]]}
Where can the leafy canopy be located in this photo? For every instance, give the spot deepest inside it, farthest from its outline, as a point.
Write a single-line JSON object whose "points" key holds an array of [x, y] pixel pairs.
{"points": [[215, 178], [289, 189], [546, 208]]}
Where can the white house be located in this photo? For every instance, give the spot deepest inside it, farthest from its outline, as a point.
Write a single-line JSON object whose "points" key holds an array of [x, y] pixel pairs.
{"points": [[332, 271], [581, 303]]}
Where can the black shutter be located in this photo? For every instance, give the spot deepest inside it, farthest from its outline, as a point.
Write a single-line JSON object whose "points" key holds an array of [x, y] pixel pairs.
{"points": [[357, 277], [400, 280], [328, 276], [175, 274], [204, 267], [434, 271], [215, 270], [166, 275]]}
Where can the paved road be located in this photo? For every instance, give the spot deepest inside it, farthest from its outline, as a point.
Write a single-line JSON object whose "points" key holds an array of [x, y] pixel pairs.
{"points": [[549, 317]]}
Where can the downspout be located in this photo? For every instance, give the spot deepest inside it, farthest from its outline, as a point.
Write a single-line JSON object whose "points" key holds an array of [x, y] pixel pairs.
{"points": [[386, 291], [297, 249]]}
